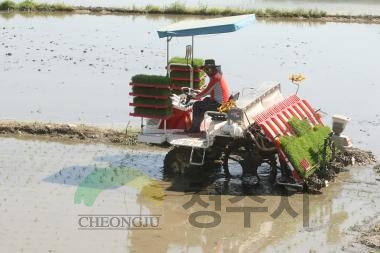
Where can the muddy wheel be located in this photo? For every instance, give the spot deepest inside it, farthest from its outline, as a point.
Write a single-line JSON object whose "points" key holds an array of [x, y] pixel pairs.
{"points": [[273, 173], [176, 162], [241, 162]]}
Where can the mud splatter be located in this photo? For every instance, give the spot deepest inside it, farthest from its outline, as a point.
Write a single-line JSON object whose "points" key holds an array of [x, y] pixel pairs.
{"points": [[343, 159]]}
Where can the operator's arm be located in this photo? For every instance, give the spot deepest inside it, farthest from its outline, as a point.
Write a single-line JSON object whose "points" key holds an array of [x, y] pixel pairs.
{"points": [[214, 80]]}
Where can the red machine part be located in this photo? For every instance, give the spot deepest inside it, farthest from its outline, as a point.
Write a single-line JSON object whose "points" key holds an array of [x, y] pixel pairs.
{"points": [[274, 122], [179, 120]]}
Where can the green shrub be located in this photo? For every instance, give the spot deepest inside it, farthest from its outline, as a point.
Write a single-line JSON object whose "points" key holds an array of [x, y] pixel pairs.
{"points": [[176, 8], [43, 7], [202, 9], [7, 5], [27, 5], [315, 13], [30, 5], [153, 9], [61, 7]]}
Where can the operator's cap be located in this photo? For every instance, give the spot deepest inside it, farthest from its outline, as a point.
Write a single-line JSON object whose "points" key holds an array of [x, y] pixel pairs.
{"points": [[210, 63]]}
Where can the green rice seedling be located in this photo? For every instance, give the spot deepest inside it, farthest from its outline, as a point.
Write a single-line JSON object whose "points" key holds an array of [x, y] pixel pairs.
{"points": [[300, 127], [183, 74], [150, 101], [151, 91], [153, 112], [196, 85], [308, 145], [197, 62], [151, 79]]}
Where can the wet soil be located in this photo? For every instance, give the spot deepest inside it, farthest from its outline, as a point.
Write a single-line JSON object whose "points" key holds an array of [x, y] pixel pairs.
{"points": [[38, 181], [377, 168], [369, 232], [371, 238], [64, 132], [343, 159]]}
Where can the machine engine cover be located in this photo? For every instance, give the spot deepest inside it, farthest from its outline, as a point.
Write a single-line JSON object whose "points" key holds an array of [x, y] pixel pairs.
{"points": [[236, 115]]}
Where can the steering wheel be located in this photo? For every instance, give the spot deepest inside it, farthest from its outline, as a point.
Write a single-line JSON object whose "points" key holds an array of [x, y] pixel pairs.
{"points": [[190, 94]]}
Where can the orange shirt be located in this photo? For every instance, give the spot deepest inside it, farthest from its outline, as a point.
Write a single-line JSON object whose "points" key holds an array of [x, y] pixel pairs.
{"points": [[217, 88]]}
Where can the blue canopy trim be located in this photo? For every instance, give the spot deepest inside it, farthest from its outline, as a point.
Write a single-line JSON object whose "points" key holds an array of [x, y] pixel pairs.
{"points": [[207, 26]]}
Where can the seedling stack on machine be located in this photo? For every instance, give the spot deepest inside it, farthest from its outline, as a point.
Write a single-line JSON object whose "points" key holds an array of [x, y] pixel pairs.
{"points": [[251, 129]]}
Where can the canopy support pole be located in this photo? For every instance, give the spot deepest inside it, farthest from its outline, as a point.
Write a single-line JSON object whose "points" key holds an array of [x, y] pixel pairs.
{"points": [[192, 50], [168, 39]]}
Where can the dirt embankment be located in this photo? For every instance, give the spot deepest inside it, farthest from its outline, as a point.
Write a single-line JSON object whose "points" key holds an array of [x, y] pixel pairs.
{"points": [[283, 15], [297, 15], [66, 132]]}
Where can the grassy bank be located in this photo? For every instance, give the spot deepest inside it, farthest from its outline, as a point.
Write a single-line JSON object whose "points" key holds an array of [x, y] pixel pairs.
{"points": [[175, 8], [29, 5]]}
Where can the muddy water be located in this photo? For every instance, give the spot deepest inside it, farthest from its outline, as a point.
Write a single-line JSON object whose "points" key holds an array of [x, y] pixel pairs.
{"points": [[38, 181], [343, 7], [52, 72]]}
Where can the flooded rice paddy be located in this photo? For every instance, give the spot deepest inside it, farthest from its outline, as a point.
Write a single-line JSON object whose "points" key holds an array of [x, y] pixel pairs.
{"points": [[76, 69], [53, 72], [37, 210]]}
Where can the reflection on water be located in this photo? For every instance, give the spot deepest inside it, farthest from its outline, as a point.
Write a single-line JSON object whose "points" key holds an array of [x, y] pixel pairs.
{"points": [[38, 181], [329, 215]]}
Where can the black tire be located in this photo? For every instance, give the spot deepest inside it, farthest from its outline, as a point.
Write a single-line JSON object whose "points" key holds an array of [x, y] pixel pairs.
{"points": [[176, 162]]}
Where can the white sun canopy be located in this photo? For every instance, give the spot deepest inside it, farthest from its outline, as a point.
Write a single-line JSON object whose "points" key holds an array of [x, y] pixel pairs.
{"points": [[206, 26]]}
